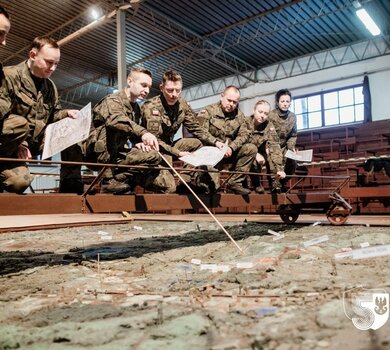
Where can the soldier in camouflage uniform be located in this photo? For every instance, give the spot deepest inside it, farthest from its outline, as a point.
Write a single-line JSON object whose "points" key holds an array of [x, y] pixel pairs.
{"points": [[284, 138], [163, 115], [34, 103], [260, 126], [116, 122], [227, 123]]}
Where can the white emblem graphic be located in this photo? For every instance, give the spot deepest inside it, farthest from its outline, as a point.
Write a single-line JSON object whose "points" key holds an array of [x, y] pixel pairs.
{"points": [[367, 308]]}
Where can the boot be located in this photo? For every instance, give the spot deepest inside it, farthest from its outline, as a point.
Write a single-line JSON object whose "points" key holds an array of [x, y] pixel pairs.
{"points": [[283, 184], [203, 183], [114, 186], [259, 189], [237, 188], [257, 184]]}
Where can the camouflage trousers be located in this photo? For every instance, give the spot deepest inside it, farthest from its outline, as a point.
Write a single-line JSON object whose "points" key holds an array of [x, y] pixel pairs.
{"points": [[241, 160], [165, 181], [258, 168], [14, 176], [140, 177], [133, 156]]}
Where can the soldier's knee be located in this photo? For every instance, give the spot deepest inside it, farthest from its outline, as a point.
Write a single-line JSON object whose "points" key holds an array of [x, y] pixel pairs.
{"points": [[249, 149], [16, 180], [153, 157], [196, 143], [188, 144], [15, 124]]}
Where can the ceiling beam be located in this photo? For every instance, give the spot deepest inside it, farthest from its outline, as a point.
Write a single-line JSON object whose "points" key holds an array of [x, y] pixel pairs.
{"points": [[192, 43], [196, 35], [334, 57], [204, 40]]}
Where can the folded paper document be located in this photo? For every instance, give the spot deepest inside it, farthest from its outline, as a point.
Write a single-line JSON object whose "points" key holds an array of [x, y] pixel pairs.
{"points": [[300, 156], [207, 155]]}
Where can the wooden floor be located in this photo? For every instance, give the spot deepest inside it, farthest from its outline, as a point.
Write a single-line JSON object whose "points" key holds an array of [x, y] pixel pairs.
{"points": [[34, 222]]}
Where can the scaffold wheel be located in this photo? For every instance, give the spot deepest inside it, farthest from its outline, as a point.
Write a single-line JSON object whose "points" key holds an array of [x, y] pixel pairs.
{"points": [[337, 219], [338, 215], [288, 214]]}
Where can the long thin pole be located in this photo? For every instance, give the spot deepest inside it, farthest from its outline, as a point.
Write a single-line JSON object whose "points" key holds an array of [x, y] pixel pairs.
{"points": [[109, 165], [200, 201]]}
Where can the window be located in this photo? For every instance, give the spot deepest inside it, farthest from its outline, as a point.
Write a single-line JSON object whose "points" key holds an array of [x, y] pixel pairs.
{"points": [[329, 108]]}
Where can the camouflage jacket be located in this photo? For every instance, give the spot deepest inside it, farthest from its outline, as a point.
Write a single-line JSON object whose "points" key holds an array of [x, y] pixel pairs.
{"points": [[233, 128], [40, 107], [265, 138], [286, 128], [4, 100], [260, 134], [284, 137], [164, 121], [115, 120]]}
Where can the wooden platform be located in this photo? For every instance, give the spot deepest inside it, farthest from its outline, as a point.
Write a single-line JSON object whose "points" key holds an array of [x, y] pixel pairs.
{"points": [[35, 222]]}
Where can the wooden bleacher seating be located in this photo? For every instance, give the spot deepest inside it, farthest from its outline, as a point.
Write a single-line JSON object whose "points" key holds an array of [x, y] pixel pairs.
{"points": [[359, 142]]}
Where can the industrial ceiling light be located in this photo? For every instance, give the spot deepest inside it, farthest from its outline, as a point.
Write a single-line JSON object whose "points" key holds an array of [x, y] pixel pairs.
{"points": [[368, 21], [95, 13]]}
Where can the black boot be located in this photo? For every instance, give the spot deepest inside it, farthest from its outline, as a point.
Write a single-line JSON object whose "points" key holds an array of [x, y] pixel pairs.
{"points": [[256, 184]]}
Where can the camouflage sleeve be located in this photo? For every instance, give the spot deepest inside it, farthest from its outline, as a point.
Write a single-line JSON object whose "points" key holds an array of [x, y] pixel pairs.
{"points": [[5, 100], [203, 118], [112, 112], [292, 140], [194, 127], [58, 112], [151, 121], [243, 136], [275, 154]]}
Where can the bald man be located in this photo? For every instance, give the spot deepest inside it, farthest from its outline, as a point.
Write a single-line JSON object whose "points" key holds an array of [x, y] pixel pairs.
{"points": [[226, 122]]}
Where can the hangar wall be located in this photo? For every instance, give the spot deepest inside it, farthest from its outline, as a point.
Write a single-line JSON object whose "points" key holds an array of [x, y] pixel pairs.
{"points": [[378, 70]]}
